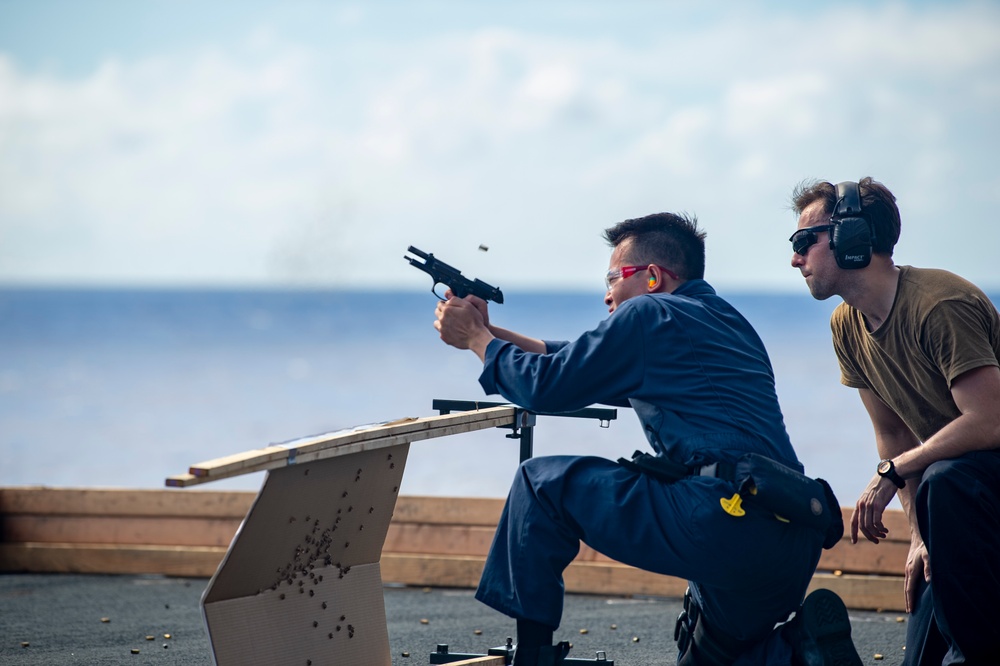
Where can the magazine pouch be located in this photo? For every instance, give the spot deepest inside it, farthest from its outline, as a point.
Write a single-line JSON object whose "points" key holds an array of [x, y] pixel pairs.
{"points": [[790, 495]]}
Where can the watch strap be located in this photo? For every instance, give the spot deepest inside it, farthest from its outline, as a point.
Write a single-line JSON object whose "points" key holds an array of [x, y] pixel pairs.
{"points": [[891, 473]]}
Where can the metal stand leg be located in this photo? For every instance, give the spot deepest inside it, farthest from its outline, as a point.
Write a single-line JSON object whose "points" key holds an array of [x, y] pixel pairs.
{"points": [[522, 429]]}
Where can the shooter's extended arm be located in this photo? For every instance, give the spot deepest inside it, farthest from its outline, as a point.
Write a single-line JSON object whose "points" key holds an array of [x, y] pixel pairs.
{"points": [[452, 278]]}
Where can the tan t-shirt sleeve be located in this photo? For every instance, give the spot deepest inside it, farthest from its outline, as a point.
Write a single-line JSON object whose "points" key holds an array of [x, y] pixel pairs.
{"points": [[850, 373]]}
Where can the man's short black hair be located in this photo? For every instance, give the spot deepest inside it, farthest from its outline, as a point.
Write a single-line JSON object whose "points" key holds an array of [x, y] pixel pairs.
{"points": [[669, 240]]}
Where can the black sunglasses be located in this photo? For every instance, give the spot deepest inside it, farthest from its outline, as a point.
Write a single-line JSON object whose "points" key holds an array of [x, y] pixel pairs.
{"points": [[803, 239]]}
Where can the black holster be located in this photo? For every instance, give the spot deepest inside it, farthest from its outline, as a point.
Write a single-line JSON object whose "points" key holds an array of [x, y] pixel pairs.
{"points": [[659, 467]]}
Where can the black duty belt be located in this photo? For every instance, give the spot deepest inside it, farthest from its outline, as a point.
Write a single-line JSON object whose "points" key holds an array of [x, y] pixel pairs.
{"points": [[669, 471], [790, 495]]}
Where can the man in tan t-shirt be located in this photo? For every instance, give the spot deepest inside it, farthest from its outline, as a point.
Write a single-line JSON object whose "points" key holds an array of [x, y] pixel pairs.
{"points": [[922, 348]]}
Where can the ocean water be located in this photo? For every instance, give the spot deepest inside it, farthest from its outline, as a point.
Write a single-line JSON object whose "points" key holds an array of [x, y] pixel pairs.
{"points": [[122, 388]]}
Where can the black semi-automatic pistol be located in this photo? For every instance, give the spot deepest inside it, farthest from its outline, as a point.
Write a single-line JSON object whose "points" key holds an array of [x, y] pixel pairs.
{"points": [[452, 278]]}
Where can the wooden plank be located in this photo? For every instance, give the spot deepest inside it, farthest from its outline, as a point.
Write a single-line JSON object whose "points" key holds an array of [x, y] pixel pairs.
{"points": [[40, 500], [441, 430], [583, 577], [192, 561], [206, 476], [347, 442], [182, 481], [472, 540], [883, 593], [188, 480], [281, 451], [245, 463], [438, 539], [400, 538], [477, 511], [614, 579], [894, 520], [887, 557], [461, 571], [481, 661], [119, 530]]}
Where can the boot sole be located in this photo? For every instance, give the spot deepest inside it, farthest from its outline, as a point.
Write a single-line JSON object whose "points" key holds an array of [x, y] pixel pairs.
{"points": [[824, 619]]}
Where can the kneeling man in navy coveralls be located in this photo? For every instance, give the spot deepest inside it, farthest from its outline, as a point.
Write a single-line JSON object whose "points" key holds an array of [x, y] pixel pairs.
{"points": [[699, 379]]}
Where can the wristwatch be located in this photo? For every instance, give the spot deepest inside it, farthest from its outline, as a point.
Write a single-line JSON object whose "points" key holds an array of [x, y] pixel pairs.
{"points": [[888, 470]]}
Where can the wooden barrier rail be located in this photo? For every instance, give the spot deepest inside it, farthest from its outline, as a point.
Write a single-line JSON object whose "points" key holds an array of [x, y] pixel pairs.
{"points": [[432, 541]]}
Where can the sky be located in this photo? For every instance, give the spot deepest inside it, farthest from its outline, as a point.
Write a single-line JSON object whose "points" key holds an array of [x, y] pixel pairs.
{"points": [[308, 144]]}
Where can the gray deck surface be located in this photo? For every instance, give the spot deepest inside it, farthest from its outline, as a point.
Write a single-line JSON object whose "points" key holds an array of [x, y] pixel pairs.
{"points": [[60, 617]]}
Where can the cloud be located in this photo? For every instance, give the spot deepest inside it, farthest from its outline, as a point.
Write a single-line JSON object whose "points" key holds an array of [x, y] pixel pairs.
{"points": [[272, 160]]}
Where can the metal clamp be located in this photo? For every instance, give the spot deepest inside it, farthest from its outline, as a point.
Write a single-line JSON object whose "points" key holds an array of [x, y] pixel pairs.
{"points": [[524, 421]]}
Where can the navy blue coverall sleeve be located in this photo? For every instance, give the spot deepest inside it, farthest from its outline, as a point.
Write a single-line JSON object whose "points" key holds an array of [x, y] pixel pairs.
{"points": [[604, 365]]}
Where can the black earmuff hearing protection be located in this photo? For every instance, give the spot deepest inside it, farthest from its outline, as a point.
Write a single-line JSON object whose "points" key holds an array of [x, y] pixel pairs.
{"points": [[852, 235]]}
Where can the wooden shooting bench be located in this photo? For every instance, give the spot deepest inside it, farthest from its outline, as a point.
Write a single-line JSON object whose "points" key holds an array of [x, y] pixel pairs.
{"points": [[298, 567]]}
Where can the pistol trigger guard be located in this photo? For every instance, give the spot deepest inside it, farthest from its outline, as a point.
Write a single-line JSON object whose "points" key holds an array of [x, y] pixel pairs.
{"points": [[434, 291]]}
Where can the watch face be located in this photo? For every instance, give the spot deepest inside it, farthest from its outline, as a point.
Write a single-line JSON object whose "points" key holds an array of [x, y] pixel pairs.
{"points": [[884, 466]]}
